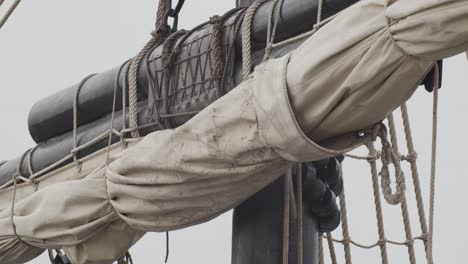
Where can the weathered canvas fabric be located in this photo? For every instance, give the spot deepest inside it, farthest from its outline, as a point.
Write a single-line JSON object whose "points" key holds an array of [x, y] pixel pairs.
{"points": [[349, 75]]}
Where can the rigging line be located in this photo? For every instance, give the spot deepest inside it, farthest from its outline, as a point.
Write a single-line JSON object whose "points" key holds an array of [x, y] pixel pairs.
{"points": [[1, 2], [9, 12], [435, 105]]}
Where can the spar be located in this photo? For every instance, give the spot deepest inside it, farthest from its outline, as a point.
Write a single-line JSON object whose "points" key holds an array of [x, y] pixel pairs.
{"points": [[313, 103]]}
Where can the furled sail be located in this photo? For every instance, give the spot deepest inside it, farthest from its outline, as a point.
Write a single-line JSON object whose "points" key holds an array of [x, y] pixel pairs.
{"points": [[307, 105]]}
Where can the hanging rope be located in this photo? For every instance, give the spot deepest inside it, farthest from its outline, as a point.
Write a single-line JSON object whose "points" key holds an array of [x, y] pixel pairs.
{"points": [[75, 121], [9, 12], [345, 228], [246, 38], [273, 19], [157, 36], [286, 215], [403, 204], [435, 105], [299, 212]]}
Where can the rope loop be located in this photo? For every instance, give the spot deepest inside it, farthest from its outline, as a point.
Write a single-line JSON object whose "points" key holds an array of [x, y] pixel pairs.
{"points": [[388, 157]]}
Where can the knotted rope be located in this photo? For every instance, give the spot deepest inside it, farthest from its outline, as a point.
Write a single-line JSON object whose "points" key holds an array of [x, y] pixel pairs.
{"points": [[157, 36], [246, 38], [411, 157]]}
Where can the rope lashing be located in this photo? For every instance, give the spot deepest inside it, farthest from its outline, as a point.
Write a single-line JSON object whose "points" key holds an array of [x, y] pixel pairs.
{"points": [[157, 36], [246, 38], [217, 43], [9, 12], [169, 56]]}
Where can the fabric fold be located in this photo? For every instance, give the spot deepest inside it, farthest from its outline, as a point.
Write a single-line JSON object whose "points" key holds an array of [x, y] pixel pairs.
{"points": [[348, 76]]}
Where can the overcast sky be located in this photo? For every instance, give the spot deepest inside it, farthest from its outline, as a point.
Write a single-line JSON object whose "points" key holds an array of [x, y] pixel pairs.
{"points": [[49, 45]]}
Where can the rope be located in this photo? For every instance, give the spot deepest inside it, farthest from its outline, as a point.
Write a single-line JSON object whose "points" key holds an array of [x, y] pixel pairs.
{"points": [[75, 120], [274, 15], [345, 228], [331, 248], [319, 13], [299, 208], [13, 200], [404, 205], [321, 258], [169, 55], [377, 203], [246, 38], [433, 163], [9, 12], [388, 156], [157, 35], [414, 173], [217, 42], [379, 242], [114, 102], [286, 214]]}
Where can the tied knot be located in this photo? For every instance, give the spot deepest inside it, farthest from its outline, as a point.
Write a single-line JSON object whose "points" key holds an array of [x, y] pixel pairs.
{"points": [[388, 157], [411, 157]]}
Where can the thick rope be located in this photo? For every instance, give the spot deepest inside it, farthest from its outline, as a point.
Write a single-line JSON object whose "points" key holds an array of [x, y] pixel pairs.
{"points": [[320, 257], [388, 156], [415, 174], [345, 228], [404, 205], [9, 12], [331, 248], [378, 204], [433, 163], [246, 38], [169, 56], [217, 43], [157, 35]]}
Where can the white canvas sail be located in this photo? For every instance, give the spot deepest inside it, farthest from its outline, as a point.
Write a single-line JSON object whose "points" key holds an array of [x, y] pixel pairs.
{"points": [[346, 77]]}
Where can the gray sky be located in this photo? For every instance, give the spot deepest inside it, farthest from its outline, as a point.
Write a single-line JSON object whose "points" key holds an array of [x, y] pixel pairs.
{"points": [[48, 45]]}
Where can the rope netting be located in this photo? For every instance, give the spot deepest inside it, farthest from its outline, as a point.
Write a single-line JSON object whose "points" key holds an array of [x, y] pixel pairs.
{"points": [[202, 70]]}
